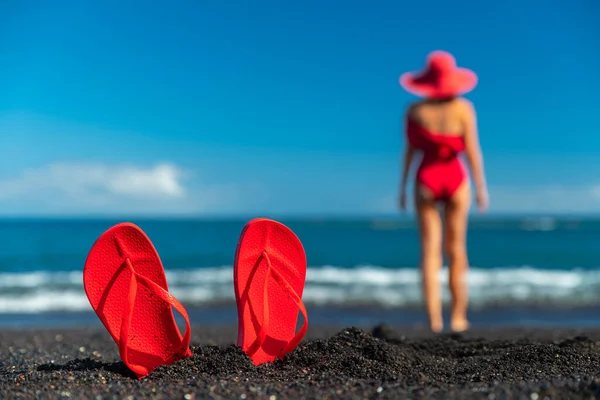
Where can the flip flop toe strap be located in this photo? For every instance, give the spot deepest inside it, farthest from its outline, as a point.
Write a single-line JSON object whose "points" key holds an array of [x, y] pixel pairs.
{"points": [[262, 334], [136, 278]]}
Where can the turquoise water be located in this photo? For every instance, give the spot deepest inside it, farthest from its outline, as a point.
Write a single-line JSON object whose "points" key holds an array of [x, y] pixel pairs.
{"points": [[517, 264]]}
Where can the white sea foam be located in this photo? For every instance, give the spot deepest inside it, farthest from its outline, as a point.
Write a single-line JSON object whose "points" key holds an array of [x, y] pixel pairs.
{"points": [[36, 292]]}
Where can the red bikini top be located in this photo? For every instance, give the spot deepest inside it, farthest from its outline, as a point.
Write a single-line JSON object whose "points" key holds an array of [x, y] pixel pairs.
{"points": [[434, 145]]}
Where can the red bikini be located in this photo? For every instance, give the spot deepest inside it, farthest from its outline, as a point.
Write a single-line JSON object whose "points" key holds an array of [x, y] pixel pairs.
{"points": [[441, 171]]}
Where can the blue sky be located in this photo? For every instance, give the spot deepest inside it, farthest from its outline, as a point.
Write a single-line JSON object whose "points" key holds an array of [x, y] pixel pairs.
{"points": [[283, 108]]}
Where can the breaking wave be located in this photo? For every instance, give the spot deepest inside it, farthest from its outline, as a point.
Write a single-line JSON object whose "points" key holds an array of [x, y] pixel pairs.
{"points": [[365, 285]]}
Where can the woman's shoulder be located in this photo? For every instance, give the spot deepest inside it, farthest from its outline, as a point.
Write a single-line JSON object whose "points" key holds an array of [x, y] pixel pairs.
{"points": [[461, 107], [464, 104], [413, 107]]}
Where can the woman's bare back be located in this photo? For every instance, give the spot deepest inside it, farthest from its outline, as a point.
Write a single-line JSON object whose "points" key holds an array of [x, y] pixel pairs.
{"points": [[443, 117]]}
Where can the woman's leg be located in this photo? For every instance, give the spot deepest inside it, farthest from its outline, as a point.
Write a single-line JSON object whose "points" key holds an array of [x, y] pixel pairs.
{"points": [[456, 221], [430, 226]]}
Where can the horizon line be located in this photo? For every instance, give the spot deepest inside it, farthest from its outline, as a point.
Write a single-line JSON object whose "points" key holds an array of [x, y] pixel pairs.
{"points": [[290, 216]]}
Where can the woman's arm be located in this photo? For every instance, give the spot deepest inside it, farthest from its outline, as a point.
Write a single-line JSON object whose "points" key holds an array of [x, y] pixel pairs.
{"points": [[406, 162], [473, 153], [407, 159]]}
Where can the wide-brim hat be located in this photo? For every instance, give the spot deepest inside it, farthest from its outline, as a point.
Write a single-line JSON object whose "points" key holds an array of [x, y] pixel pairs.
{"points": [[440, 78]]}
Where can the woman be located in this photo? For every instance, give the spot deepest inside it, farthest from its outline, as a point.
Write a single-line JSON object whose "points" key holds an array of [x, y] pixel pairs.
{"points": [[441, 126]]}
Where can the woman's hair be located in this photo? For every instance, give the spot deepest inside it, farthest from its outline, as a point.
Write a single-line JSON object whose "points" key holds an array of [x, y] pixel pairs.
{"points": [[441, 100]]}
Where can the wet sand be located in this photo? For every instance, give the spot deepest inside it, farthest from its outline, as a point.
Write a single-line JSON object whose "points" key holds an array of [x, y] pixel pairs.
{"points": [[332, 362]]}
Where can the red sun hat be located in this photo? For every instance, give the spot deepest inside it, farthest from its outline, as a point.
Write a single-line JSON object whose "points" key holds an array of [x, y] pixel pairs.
{"points": [[441, 78]]}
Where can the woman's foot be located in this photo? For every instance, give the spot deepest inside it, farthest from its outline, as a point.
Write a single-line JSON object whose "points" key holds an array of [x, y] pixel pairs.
{"points": [[460, 325], [436, 326]]}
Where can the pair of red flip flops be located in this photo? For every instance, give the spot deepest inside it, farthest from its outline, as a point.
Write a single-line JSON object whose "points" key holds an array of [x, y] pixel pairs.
{"points": [[126, 285]]}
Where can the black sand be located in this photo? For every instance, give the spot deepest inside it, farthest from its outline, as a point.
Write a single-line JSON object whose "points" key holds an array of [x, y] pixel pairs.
{"points": [[381, 363]]}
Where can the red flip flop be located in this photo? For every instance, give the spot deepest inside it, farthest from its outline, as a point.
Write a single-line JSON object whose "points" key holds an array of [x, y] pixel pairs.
{"points": [[269, 274], [126, 285]]}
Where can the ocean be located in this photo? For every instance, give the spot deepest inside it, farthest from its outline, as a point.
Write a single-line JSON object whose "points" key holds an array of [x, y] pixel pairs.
{"points": [[538, 271]]}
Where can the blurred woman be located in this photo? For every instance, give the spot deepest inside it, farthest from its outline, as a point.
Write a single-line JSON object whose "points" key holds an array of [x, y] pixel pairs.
{"points": [[441, 126]]}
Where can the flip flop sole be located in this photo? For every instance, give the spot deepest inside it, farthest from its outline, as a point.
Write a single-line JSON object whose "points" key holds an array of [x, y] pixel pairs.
{"points": [[153, 338], [265, 243]]}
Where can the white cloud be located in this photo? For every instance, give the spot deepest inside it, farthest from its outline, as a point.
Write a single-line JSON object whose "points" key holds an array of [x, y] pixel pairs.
{"points": [[168, 189], [80, 188], [547, 198], [595, 191], [162, 180]]}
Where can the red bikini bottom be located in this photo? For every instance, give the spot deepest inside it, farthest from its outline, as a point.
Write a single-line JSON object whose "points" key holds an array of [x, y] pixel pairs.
{"points": [[442, 177]]}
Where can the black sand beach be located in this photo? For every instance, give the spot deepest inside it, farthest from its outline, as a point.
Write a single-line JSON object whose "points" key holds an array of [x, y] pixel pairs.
{"points": [[379, 362]]}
